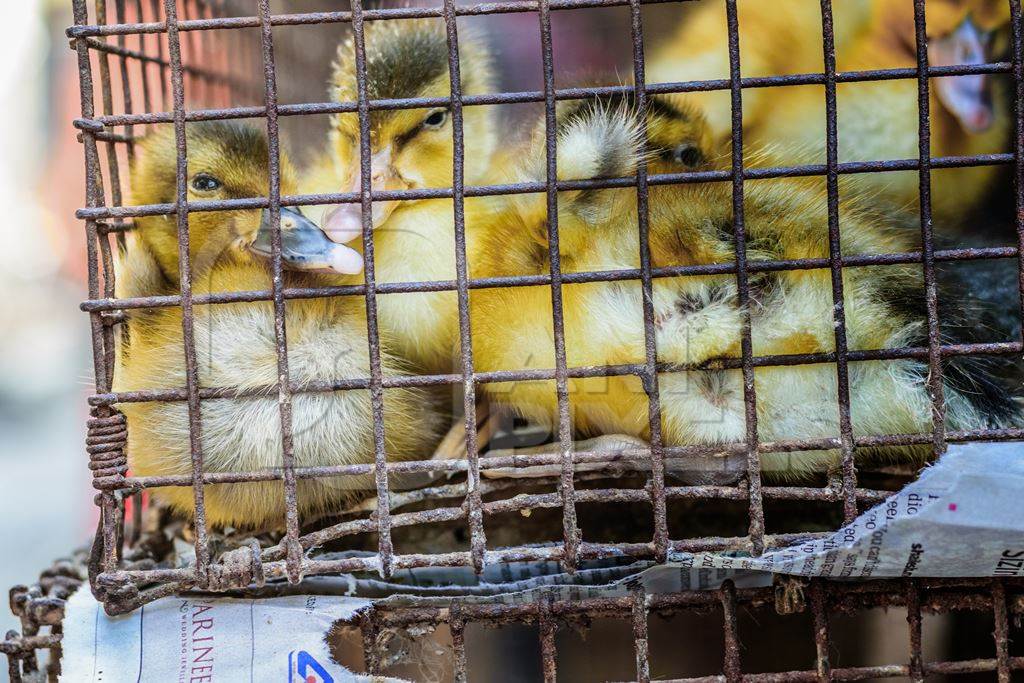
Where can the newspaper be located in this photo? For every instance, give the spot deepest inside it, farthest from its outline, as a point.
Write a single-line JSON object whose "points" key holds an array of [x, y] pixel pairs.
{"points": [[198, 640], [962, 517]]}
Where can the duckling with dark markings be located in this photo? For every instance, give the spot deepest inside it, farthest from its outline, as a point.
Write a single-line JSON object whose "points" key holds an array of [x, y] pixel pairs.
{"points": [[697, 318], [235, 342]]}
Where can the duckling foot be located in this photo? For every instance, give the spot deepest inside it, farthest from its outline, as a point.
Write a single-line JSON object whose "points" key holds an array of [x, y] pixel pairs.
{"points": [[618, 452], [720, 469], [613, 448]]}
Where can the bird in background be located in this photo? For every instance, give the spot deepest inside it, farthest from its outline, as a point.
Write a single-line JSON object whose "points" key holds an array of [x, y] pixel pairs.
{"points": [[877, 120], [229, 251], [410, 149], [697, 318]]}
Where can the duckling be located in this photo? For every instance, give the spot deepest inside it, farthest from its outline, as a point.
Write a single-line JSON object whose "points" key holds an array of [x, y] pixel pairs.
{"points": [[235, 343], [512, 327], [697, 318], [411, 149], [877, 119]]}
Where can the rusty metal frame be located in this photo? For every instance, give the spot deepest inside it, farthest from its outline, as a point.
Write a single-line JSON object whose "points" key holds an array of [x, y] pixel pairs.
{"points": [[147, 44], [41, 608]]}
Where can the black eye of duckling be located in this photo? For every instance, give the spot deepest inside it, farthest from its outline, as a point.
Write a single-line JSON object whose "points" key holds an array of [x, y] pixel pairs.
{"points": [[204, 182], [436, 119], [687, 154]]}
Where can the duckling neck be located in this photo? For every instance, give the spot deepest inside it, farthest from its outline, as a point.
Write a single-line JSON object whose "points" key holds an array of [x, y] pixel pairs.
{"points": [[158, 237], [417, 243]]}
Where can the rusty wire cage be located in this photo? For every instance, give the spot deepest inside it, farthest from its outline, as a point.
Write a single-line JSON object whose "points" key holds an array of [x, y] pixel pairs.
{"points": [[178, 61]]}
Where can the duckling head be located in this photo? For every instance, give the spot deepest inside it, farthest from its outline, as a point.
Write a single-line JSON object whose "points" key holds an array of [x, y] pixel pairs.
{"points": [[409, 148], [225, 161], [603, 136], [968, 32], [678, 137]]}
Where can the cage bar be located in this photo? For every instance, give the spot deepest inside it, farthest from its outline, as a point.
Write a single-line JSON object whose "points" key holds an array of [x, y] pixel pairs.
{"points": [[756, 508], [284, 397], [935, 386], [650, 375], [846, 449], [384, 544], [474, 513], [185, 278], [571, 534]]}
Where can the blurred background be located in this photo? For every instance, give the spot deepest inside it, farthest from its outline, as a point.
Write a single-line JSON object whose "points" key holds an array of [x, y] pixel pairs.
{"points": [[45, 362]]}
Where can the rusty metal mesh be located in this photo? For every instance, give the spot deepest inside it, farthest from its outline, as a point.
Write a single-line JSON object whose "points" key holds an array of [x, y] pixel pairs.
{"points": [[382, 629], [172, 62]]}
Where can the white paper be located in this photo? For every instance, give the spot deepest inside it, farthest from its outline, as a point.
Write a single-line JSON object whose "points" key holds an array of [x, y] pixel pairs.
{"points": [[197, 640], [963, 517]]}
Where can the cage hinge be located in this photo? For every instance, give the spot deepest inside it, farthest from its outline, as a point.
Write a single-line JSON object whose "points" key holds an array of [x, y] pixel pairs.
{"points": [[106, 441], [238, 568]]}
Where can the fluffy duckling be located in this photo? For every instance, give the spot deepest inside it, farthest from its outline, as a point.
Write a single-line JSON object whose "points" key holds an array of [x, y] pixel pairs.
{"points": [[877, 120], [678, 137], [697, 317], [235, 347], [411, 149]]}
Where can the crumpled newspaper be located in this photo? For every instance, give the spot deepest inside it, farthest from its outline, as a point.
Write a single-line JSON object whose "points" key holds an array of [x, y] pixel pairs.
{"points": [[961, 518], [213, 640]]}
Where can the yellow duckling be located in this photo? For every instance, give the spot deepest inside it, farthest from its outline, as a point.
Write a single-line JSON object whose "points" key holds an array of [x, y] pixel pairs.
{"points": [[235, 343], [697, 317], [877, 120], [411, 149]]}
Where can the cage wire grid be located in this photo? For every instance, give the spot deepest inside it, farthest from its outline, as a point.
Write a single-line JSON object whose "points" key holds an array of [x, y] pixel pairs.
{"points": [[222, 74]]}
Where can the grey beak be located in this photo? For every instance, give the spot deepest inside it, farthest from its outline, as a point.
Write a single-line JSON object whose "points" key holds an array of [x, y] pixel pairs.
{"points": [[304, 246]]}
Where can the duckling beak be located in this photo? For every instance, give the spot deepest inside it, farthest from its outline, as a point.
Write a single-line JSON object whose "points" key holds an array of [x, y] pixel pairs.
{"points": [[304, 246], [968, 98], [345, 223]]}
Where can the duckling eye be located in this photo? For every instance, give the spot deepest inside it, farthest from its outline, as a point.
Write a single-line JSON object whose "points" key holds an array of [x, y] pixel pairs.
{"points": [[204, 182], [687, 154], [436, 118]]}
